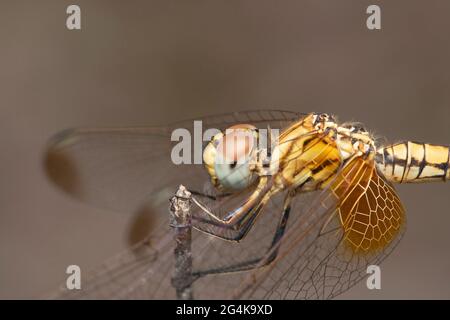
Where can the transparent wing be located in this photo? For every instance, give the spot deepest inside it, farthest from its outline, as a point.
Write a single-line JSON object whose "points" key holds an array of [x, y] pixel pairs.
{"points": [[358, 221], [147, 275], [145, 270], [126, 168]]}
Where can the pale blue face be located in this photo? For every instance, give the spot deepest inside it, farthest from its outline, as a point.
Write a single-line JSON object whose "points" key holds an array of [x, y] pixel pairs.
{"points": [[234, 176]]}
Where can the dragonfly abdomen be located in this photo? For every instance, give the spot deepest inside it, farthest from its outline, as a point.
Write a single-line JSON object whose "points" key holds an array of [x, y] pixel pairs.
{"points": [[407, 162]]}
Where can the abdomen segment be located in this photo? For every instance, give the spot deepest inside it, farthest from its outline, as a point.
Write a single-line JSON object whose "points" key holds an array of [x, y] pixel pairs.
{"points": [[407, 162]]}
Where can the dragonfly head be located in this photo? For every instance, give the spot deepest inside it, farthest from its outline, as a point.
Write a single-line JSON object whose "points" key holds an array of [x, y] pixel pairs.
{"points": [[230, 157]]}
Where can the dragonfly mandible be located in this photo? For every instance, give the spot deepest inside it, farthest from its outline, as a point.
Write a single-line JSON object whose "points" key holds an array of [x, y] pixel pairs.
{"points": [[301, 218]]}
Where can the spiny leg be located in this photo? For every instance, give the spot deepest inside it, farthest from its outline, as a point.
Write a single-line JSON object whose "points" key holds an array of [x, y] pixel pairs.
{"points": [[240, 227], [263, 260], [235, 225]]}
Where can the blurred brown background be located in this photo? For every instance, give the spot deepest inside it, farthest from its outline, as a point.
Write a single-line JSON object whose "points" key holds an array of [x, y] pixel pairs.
{"points": [[152, 62]]}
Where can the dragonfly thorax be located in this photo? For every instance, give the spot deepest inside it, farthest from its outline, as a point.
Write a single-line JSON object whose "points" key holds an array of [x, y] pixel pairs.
{"points": [[310, 152]]}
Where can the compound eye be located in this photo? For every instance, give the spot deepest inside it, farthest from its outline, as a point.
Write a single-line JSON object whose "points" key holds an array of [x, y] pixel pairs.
{"points": [[235, 146], [235, 152]]}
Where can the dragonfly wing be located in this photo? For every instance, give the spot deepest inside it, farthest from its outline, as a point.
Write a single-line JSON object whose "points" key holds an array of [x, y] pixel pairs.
{"points": [[145, 270], [320, 255], [123, 168], [356, 222], [127, 168]]}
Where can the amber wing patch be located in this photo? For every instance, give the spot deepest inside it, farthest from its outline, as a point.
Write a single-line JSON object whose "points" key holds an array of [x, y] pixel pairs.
{"points": [[370, 210]]}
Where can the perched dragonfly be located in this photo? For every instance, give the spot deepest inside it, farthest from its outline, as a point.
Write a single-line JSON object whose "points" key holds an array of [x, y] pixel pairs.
{"points": [[299, 219]]}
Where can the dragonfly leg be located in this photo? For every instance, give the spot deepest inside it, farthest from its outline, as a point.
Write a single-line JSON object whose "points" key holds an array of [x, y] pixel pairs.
{"points": [[235, 225], [263, 260], [238, 222]]}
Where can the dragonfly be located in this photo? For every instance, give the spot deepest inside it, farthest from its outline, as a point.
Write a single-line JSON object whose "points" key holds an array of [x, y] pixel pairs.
{"points": [[300, 217]]}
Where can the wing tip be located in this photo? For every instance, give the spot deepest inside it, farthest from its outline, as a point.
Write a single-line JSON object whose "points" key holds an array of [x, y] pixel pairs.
{"points": [[58, 165]]}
